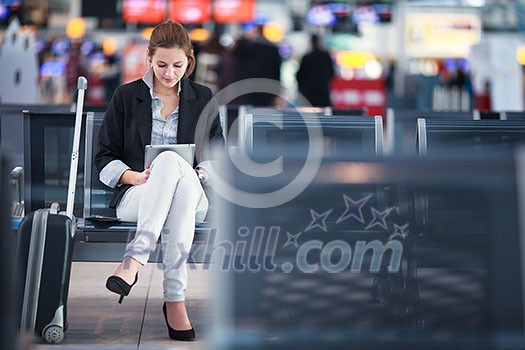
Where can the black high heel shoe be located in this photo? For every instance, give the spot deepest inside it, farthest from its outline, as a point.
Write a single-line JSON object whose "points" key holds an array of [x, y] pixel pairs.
{"points": [[186, 335], [119, 286]]}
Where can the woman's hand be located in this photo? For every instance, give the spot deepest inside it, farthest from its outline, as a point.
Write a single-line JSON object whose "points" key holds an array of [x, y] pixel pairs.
{"points": [[134, 178]]}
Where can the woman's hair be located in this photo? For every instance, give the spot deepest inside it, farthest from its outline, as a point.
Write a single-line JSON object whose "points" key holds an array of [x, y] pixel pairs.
{"points": [[170, 34]]}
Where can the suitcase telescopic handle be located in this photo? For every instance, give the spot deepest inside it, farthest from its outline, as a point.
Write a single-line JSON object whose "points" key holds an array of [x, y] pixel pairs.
{"points": [[82, 83], [82, 86]]}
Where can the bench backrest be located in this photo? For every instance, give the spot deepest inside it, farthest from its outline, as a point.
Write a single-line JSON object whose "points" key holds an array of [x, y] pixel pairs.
{"points": [[342, 135], [401, 128], [96, 194], [513, 115], [490, 137], [48, 142], [12, 124]]}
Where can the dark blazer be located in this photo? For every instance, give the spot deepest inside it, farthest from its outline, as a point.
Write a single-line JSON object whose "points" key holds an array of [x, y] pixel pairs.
{"points": [[126, 129]]}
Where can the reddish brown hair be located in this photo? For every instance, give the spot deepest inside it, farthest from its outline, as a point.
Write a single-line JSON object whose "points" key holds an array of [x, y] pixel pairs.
{"points": [[170, 34]]}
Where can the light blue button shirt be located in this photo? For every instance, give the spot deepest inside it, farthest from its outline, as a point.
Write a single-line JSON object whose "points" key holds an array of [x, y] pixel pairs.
{"points": [[163, 131]]}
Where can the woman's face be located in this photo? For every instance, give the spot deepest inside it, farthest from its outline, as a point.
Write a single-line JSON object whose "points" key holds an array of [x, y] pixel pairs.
{"points": [[169, 65]]}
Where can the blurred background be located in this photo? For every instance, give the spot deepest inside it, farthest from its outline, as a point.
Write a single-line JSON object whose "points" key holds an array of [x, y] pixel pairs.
{"points": [[410, 54]]}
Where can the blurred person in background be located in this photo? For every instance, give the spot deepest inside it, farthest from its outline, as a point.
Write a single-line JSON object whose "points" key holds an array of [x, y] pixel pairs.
{"points": [[225, 67], [48, 84], [196, 51], [256, 57], [461, 80], [111, 76], [315, 74], [74, 69]]}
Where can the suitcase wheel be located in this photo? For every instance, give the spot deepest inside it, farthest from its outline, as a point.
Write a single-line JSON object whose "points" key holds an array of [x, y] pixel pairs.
{"points": [[53, 334]]}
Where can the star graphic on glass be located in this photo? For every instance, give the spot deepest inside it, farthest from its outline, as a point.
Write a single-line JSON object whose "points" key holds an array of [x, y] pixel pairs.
{"points": [[353, 208], [292, 239], [379, 218], [318, 220], [400, 231]]}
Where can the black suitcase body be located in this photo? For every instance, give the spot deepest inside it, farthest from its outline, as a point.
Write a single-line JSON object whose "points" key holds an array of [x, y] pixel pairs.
{"points": [[44, 249]]}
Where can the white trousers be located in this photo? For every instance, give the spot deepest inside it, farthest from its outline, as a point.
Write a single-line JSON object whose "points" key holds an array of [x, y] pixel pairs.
{"points": [[170, 202]]}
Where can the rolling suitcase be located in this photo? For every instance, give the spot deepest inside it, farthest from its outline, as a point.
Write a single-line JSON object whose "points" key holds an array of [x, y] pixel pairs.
{"points": [[44, 251]]}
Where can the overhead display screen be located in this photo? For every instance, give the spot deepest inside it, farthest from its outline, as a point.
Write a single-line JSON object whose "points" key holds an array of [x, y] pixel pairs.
{"points": [[143, 11], [233, 11], [190, 11]]}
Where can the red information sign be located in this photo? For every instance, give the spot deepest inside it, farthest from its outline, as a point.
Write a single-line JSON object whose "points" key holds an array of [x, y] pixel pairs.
{"points": [[358, 93], [233, 11], [143, 11], [190, 11]]}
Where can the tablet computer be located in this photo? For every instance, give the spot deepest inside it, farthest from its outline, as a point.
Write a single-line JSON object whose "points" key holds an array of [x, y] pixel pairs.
{"points": [[186, 151]]}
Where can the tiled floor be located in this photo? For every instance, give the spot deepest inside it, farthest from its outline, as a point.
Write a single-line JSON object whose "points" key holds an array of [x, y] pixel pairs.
{"points": [[97, 321]]}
